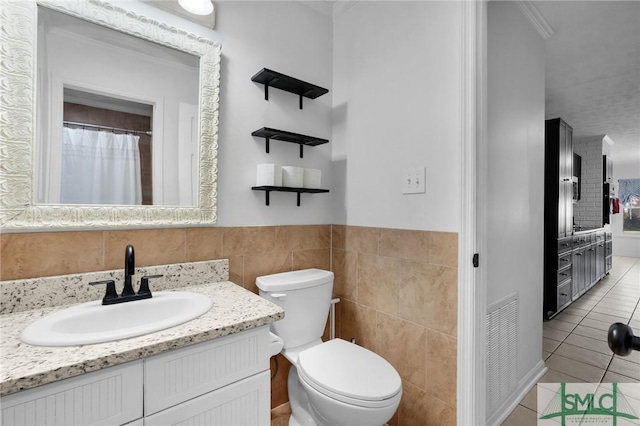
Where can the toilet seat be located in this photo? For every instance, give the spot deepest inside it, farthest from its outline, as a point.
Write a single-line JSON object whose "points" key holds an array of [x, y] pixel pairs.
{"points": [[350, 373]]}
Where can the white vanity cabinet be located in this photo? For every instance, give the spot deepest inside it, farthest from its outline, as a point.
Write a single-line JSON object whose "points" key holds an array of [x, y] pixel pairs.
{"points": [[241, 403], [224, 382], [107, 397], [221, 382]]}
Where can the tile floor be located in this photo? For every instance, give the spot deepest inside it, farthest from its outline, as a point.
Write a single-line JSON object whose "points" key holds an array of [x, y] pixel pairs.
{"points": [[280, 415], [575, 341]]}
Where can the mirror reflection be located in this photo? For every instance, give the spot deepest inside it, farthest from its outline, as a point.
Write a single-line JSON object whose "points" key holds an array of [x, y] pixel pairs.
{"points": [[106, 150], [117, 117]]}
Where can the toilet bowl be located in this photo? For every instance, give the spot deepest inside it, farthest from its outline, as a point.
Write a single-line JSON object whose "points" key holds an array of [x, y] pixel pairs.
{"points": [[348, 385], [331, 383]]}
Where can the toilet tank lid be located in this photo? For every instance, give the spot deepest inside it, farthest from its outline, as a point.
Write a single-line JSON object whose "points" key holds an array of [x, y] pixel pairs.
{"points": [[294, 280]]}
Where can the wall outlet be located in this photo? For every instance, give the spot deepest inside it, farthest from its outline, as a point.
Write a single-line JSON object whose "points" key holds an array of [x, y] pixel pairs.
{"points": [[414, 181]]}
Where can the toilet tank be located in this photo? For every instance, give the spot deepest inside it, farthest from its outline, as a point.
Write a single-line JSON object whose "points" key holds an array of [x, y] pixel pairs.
{"points": [[305, 297]]}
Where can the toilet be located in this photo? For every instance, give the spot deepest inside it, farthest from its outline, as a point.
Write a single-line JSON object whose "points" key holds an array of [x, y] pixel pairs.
{"points": [[334, 382]]}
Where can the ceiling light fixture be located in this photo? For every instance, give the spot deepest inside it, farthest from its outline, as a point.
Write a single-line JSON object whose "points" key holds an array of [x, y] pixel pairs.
{"points": [[197, 7]]}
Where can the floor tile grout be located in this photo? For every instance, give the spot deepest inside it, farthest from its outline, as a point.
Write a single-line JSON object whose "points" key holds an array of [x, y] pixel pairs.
{"points": [[616, 280]]}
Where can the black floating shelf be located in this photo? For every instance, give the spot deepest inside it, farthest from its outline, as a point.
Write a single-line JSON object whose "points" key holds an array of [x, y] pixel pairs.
{"points": [[288, 84], [268, 189], [282, 135]]}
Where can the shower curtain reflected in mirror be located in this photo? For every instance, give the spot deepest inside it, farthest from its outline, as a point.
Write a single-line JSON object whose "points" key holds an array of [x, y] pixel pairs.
{"points": [[100, 167]]}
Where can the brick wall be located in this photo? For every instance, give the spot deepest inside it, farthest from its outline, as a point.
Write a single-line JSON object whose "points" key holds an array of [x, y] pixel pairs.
{"points": [[588, 211]]}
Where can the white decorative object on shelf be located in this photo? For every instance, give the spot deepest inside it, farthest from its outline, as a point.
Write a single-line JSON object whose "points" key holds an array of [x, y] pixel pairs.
{"points": [[292, 176], [269, 175], [312, 178]]}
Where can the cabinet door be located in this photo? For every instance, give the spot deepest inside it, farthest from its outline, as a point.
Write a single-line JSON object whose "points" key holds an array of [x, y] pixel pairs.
{"points": [[562, 176], [106, 397], [578, 273], [568, 185], [564, 293], [245, 402], [175, 376], [600, 261], [565, 186], [591, 256]]}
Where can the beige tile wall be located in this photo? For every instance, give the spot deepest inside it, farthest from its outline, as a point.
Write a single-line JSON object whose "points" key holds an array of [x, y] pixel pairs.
{"points": [[398, 288], [398, 291], [252, 251]]}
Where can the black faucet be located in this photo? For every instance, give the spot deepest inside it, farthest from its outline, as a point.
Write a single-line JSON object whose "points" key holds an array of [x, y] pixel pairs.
{"points": [[129, 270], [128, 294]]}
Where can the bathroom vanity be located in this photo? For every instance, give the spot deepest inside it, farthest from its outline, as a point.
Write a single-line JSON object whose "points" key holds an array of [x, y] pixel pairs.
{"points": [[212, 370], [224, 381]]}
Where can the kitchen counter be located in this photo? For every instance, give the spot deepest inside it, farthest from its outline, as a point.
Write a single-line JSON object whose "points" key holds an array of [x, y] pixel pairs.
{"points": [[587, 231], [25, 366]]}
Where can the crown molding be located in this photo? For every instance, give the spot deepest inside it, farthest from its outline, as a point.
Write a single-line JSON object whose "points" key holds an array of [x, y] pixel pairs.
{"points": [[536, 18]]}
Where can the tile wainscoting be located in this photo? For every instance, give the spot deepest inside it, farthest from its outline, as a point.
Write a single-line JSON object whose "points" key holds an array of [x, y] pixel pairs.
{"points": [[398, 288], [399, 296]]}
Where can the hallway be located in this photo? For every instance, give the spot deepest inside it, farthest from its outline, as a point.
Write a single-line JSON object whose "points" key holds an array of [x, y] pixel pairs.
{"points": [[575, 341]]}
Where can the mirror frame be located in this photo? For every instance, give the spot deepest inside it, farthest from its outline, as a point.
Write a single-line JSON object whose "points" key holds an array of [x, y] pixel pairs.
{"points": [[18, 70]]}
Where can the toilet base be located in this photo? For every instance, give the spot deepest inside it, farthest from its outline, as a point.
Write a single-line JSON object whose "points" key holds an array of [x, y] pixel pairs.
{"points": [[294, 422], [299, 401]]}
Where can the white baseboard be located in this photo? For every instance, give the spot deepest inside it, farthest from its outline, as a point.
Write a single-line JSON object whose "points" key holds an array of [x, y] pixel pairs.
{"points": [[524, 386]]}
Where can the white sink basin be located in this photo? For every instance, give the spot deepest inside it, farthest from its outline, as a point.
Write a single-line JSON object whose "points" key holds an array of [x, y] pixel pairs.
{"points": [[93, 322]]}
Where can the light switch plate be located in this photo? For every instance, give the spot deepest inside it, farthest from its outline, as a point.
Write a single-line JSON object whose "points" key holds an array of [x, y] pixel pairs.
{"points": [[414, 181]]}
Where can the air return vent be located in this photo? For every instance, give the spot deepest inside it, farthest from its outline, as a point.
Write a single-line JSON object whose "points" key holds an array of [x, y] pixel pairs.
{"points": [[502, 350]]}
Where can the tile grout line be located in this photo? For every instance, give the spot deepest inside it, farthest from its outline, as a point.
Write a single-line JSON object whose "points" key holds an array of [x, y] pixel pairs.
{"points": [[589, 310], [628, 321], [612, 286], [606, 369]]}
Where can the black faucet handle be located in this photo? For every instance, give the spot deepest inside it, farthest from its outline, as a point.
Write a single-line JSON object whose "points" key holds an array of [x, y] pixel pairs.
{"points": [[144, 284], [110, 293]]}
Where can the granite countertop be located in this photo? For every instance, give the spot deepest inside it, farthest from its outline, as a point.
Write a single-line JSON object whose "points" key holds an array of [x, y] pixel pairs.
{"points": [[25, 366]]}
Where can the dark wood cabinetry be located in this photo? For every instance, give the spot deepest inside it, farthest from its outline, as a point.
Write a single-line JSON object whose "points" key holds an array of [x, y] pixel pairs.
{"points": [[558, 213], [573, 261]]}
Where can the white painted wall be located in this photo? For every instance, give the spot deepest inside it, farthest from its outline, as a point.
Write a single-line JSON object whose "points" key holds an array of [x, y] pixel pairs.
{"points": [[380, 117], [511, 196], [396, 104], [293, 39], [624, 167]]}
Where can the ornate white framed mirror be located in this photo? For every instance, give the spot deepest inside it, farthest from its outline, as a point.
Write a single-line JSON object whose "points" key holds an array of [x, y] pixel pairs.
{"points": [[42, 82]]}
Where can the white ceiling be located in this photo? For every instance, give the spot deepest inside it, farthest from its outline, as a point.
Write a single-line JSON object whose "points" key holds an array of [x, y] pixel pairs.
{"points": [[593, 69]]}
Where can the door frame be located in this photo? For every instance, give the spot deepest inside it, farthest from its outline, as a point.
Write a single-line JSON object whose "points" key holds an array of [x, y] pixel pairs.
{"points": [[471, 375]]}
